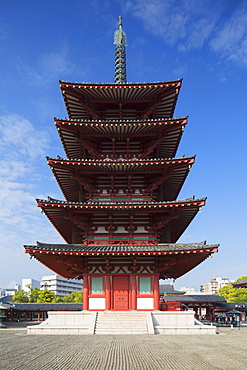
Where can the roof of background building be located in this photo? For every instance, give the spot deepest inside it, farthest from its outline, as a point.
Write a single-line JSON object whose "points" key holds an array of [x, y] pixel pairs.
{"points": [[6, 299], [240, 282], [230, 306], [169, 289], [195, 298], [45, 306]]}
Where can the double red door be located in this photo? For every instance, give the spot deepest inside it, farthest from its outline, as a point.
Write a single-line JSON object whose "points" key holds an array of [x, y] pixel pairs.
{"points": [[120, 293]]}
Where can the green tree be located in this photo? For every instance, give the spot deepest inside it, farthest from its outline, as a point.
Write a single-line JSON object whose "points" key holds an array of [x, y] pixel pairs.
{"points": [[57, 299], [45, 296], [73, 298], [21, 296], [238, 295], [33, 295], [232, 294], [226, 291], [241, 278]]}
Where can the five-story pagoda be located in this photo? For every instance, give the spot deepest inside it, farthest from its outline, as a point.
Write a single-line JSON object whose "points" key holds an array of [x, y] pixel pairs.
{"points": [[121, 218]]}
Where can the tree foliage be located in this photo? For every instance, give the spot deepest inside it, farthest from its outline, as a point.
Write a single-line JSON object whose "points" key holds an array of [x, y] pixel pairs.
{"points": [[241, 278], [73, 298], [232, 294], [21, 296], [44, 296]]}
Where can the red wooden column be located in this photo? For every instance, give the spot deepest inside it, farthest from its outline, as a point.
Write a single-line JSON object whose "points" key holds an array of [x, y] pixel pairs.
{"points": [[156, 292], [38, 316], [108, 293], [85, 292], [213, 313], [133, 292]]}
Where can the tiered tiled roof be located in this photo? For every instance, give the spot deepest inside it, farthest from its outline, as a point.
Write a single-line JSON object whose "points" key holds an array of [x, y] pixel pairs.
{"points": [[121, 182], [172, 260], [105, 101], [62, 214], [166, 248], [171, 172], [72, 131]]}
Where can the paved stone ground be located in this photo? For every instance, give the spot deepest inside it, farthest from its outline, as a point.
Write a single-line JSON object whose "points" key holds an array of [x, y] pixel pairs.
{"points": [[227, 350]]}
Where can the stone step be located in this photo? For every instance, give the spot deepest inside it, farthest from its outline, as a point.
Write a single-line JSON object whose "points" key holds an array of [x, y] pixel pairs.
{"points": [[120, 323], [125, 325], [122, 317], [109, 319], [117, 332]]}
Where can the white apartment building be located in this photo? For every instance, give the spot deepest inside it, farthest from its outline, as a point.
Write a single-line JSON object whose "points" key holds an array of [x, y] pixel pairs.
{"points": [[9, 291], [60, 286], [26, 283], [190, 291], [214, 285]]}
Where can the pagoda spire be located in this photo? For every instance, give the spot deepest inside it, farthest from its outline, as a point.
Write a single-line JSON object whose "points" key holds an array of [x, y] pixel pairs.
{"points": [[120, 41]]}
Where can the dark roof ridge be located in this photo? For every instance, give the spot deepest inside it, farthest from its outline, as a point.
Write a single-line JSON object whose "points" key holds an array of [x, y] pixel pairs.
{"points": [[122, 120], [121, 159], [202, 243], [168, 247], [114, 84], [185, 200]]}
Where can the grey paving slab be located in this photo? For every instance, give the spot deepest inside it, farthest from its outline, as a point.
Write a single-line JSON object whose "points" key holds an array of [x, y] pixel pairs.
{"points": [[227, 350]]}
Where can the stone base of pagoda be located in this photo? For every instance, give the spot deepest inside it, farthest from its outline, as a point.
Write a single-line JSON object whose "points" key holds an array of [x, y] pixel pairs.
{"points": [[121, 322], [179, 322], [65, 322]]}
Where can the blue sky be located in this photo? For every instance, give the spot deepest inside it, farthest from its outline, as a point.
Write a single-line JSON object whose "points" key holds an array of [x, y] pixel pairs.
{"points": [[203, 41]]}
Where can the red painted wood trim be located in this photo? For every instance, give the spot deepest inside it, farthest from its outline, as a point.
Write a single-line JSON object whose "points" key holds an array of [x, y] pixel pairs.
{"points": [[36, 252], [103, 295], [174, 83], [156, 292], [151, 295], [133, 292], [108, 292], [85, 292]]}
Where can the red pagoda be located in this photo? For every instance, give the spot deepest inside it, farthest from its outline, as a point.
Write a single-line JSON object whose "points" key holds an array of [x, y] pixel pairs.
{"points": [[121, 218]]}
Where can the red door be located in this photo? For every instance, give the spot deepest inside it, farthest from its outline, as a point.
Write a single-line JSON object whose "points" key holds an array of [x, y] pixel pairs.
{"points": [[120, 293]]}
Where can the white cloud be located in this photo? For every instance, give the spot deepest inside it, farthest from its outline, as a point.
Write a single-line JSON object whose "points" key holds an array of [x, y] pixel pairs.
{"points": [[188, 23], [22, 148], [49, 66], [30, 74], [192, 24], [56, 63], [19, 138], [200, 32], [231, 39]]}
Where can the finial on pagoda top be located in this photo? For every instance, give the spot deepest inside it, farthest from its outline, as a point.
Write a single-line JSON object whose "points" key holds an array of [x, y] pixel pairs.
{"points": [[119, 35], [120, 40]]}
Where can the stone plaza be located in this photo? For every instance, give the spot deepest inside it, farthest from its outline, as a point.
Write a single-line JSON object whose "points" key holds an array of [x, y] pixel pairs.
{"points": [[226, 350]]}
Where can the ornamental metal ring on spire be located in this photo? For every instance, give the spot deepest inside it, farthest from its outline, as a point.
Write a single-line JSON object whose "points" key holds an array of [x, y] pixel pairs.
{"points": [[120, 40]]}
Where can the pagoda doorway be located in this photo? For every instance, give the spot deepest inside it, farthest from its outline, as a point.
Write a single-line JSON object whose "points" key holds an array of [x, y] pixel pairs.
{"points": [[121, 292]]}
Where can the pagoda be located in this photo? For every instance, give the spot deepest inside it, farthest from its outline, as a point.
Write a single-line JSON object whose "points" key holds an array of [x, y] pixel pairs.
{"points": [[121, 218]]}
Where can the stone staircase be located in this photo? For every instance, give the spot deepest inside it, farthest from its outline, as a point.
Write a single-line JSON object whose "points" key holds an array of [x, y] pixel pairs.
{"points": [[120, 322]]}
